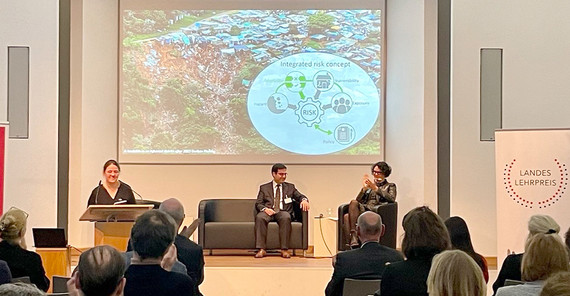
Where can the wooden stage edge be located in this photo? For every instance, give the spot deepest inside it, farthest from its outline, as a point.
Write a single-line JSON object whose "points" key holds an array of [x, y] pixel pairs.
{"points": [[244, 258]]}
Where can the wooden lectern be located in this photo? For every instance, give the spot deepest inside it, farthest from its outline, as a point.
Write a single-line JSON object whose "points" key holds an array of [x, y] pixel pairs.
{"points": [[113, 223], [56, 261]]}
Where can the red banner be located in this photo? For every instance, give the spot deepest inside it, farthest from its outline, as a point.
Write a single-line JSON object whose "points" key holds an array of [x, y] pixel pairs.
{"points": [[2, 160]]}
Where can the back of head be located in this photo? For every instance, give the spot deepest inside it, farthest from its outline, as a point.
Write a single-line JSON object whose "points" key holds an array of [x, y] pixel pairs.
{"points": [[174, 208], [542, 224], [424, 233], [544, 255], [13, 224], [557, 284], [370, 224], [20, 289], [459, 234], [152, 234], [461, 239], [100, 270], [455, 273]]}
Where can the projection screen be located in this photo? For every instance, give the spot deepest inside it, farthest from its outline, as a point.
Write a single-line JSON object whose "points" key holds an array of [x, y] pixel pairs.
{"points": [[251, 82]]}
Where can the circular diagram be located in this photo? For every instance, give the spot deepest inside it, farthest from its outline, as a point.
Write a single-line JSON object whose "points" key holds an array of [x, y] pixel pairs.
{"points": [[313, 103]]}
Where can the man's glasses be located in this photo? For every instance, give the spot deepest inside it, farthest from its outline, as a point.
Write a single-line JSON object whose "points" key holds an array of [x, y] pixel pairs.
{"points": [[377, 172]]}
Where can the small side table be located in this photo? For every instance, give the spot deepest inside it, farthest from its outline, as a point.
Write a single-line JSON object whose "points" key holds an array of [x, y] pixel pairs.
{"points": [[324, 236]]}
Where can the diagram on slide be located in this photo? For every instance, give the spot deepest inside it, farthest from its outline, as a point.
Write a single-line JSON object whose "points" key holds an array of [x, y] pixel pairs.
{"points": [[313, 103]]}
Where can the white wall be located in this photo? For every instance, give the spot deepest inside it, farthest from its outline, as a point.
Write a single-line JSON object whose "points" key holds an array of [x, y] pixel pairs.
{"points": [[410, 120], [410, 101], [326, 186], [31, 164], [93, 107], [536, 67], [534, 95]]}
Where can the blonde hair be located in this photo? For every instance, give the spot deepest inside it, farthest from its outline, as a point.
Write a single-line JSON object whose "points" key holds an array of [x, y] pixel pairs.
{"points": [[455, 273], [542, 224], [13, 224], [557, 285], [544, 255], [20, 289]]}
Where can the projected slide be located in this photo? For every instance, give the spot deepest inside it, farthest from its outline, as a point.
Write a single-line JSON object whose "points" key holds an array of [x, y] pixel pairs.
{"points": [[251, 82], [313, 103]]}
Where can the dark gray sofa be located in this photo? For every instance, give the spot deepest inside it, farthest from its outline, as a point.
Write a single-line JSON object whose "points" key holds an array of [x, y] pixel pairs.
{"points": [[229, 224]]}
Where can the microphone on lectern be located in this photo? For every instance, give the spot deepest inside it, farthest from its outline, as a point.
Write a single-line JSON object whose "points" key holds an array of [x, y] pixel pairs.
{"points": [[140, 196], [97, 193]]}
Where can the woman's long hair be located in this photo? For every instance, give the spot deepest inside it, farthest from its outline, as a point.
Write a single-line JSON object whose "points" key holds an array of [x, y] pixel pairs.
{"points": [[424, 233], [461, 239]]}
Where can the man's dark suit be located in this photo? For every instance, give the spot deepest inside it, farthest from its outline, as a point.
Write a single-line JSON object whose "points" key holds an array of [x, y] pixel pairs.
{"points": [[367, 262], [266, 199], [406, 278], [191, 255]]}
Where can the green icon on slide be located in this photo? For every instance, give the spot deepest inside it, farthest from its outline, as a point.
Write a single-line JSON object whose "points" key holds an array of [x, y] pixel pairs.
{"points": [[295, 81]]}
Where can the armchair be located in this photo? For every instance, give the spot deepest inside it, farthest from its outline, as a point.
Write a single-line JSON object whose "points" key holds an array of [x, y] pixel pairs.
{"points": [[389, 214]]}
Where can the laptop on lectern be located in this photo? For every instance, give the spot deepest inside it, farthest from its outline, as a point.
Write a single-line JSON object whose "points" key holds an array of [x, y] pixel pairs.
{"points": [[49, 237]]}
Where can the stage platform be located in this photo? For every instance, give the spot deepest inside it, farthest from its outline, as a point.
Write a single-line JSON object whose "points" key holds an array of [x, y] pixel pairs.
{"points": [[238, 275], [245, 275]]}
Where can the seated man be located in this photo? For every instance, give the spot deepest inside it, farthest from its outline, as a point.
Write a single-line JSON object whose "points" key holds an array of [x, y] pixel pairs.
{"points": [[275, 203], [100, 271], [189, 252], [152, 237], [368, 261]]}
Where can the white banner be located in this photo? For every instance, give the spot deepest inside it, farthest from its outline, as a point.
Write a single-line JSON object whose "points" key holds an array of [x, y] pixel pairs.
{"points": [[531, 178]]}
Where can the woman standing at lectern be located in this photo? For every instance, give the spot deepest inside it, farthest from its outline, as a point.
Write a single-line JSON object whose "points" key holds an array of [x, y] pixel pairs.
{"points": [[111, 191]]}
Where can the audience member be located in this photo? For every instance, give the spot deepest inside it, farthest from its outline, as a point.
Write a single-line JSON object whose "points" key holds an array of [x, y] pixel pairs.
{"points": [[12, 249], [461, 240], [557, 284], [368, 261], [5, 274], [176, 266], [455, 273], [100, 272], [511, 268], [20, 289], [545, 254], [152, 237], [189, 252], [425, 235]]}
